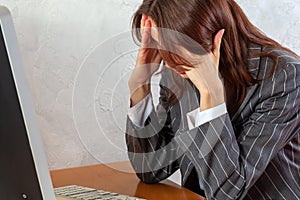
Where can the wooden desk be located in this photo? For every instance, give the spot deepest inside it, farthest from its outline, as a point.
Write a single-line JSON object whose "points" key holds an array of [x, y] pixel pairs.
{"points": [[120, 178]]}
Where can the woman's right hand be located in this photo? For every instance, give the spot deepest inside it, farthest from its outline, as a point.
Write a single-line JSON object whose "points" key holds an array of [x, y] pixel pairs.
{"points": [[148, 61]]}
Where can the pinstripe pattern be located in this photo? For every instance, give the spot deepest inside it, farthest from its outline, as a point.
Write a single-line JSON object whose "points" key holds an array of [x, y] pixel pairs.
{"points": [[255, 155]]}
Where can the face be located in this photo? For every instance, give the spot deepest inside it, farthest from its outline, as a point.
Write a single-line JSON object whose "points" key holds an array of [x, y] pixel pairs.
{"points": [[154, 35]]}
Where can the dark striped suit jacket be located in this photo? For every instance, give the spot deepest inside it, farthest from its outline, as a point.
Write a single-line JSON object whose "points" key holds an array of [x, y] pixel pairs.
{"points": [[253, 155]]}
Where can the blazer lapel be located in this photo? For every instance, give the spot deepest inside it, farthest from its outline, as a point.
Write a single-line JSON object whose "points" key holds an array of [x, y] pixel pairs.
{"points": [[254, 63]]}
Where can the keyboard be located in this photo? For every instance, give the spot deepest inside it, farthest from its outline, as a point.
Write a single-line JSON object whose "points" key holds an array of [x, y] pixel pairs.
{"points": [[75, 192]]}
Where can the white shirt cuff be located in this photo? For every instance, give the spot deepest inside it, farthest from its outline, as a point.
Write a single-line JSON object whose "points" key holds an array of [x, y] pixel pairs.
{"points": [[196, 117], [139, 113]]}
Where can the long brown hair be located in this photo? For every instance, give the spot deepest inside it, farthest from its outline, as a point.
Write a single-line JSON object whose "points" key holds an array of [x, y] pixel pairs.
{"points": [[201, 20]]}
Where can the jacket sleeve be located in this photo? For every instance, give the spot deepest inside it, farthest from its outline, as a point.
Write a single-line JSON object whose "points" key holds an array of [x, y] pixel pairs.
{"points": [[230, 161], [152, 149]]}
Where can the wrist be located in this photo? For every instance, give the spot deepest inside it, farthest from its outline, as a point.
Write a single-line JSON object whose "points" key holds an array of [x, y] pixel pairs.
{"points": [[139, 94], [135, 83], [208, 102], [211, 98]]}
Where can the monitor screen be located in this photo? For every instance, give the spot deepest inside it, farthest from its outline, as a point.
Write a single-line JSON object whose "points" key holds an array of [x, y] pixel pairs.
{"points": [[23, 168]]}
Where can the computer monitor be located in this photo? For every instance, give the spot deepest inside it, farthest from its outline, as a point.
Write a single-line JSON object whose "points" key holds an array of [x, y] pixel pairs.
{"points": [[24, 170]]}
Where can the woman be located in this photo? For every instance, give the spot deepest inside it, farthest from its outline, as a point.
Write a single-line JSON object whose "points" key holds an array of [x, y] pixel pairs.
{"points": [[228, 112]]}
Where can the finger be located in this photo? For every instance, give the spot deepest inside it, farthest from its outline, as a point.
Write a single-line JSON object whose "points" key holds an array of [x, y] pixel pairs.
{"points": [[146, 33], [147, 24], [142, 23], [144, 18], [217, 42]]}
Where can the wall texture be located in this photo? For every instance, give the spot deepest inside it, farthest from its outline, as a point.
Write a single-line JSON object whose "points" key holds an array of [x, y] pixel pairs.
{"points": [[78, 58]]}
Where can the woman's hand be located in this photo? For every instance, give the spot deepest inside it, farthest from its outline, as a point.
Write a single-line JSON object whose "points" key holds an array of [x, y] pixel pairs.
{"points": [[148, 61], [148, 53], [205, 75]]}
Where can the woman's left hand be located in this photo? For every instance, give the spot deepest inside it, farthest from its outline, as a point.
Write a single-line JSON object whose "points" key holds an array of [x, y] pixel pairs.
{"points": [[205, 75]]}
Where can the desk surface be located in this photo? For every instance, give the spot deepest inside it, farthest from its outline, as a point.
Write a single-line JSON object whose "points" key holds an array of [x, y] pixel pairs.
{"points": [[120, 178]]}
